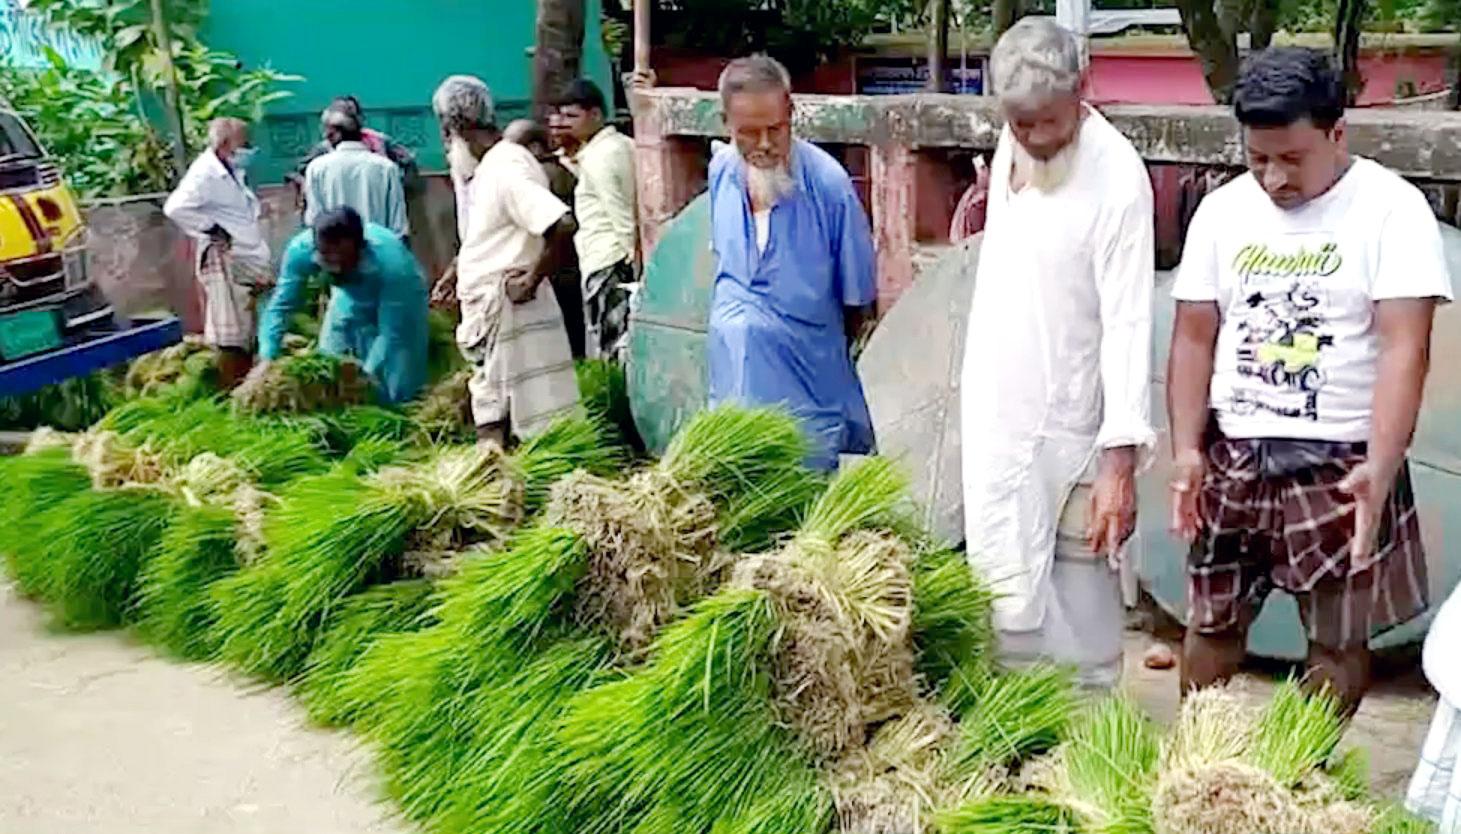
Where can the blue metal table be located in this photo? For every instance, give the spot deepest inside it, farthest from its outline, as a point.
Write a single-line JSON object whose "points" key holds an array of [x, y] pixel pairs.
{"points": [[108, 349]]}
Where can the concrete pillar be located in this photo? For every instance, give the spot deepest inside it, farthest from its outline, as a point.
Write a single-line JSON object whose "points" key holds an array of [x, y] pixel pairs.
{"points": [[895, 202], [669, 172]]}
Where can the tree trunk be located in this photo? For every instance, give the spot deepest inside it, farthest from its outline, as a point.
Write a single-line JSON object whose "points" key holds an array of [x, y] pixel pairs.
{"points": [[1216, 48], [938, 45], [1004, 14], [1262, 22], [1348, 19], [558, 52]]}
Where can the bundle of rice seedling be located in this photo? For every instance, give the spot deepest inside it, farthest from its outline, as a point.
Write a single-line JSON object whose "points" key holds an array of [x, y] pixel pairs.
{"points": [[1230, 767], [1012, 716], [334, 535], [174, 611], [444, 412], [1105, 769], [306, 382], [604, 390], [792, 665], [653, 542], [69, 405], [190, 366], [95, 543], [891, 784], [115, 462], [42, 478], [443, 356], [1009, 814], [348, 633]]}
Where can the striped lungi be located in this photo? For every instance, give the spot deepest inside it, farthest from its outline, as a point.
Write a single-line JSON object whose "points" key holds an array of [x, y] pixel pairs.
{"points": [[1275, 517], [231, 288], [1435, 789], [523, 366]]}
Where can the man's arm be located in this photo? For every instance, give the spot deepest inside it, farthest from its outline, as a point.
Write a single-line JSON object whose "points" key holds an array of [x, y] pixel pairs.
{"points": [[187, 205], [557, 255], [286, 297], [396, 205], [857, 321], [1125, 272], [397, 357], [856, 265], [312, 198], [1189, 380]]}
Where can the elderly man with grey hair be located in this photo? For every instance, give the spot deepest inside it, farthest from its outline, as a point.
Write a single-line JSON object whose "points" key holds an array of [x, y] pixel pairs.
{"points": [[1056, 412], [353, 176], [795, 274], [514, 235], [216, 207]]}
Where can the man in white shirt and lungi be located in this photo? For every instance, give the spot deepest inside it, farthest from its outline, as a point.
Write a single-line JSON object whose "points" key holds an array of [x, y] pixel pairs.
{"points": [[1056, 412], [216, 207], [515, 231]]}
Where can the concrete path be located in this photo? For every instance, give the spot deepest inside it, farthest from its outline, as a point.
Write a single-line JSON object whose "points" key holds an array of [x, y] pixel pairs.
{"points": [[98, 735]]}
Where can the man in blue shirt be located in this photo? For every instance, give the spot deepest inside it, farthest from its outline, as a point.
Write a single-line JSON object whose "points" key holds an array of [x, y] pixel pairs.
{"points": [[795, 280], [377, 311]]}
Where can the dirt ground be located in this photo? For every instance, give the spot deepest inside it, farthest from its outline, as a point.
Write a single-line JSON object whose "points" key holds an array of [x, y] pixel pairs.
{"points": [[98, 735]]}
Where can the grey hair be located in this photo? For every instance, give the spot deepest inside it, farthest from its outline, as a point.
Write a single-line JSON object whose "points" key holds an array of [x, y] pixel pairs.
{"points": [[1036, 59], [340, 119], [753, 74], [463, 102], [220, 130]]}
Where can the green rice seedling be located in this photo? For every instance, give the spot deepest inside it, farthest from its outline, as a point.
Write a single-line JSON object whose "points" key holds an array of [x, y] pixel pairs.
{"points": [[1296, 734], [604, 391], [443, 357], [1008, 814], [302, 383], [96, 545], [1350, 774], [174, 611], [1107, 769], [348, 633], [347, 428], [69, 405], [34, 482], [952, 627], [444, 411], [1014, 715], [1394, 819], [188, 368]]}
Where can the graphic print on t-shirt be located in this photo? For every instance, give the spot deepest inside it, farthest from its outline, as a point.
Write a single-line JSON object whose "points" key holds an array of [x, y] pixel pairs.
{"points": [[1282, 325]]}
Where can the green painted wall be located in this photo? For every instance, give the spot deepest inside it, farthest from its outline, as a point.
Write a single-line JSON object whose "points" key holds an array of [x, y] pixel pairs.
{"points": [[390, 54]]}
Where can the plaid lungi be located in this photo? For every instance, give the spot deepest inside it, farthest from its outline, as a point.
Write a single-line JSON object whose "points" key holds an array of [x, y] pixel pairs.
{"points": [[1274, 517], [523, 367], [606, 297], [231, 287]]}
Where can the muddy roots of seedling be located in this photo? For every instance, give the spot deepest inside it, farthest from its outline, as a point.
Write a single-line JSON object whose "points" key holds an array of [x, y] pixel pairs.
{"points": [[893, 785], [465, 497], [844, 657], [651, 549], [445, 410], [187, 362], [115, 463]]}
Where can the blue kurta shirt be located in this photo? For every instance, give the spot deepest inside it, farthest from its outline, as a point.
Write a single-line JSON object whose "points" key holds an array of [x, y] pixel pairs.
{"points": [[377, 313], [776, 323]]}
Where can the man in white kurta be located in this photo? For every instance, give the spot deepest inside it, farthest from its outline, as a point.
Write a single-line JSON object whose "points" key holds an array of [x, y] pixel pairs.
{"points": [[1055, 382], [512, 327]]}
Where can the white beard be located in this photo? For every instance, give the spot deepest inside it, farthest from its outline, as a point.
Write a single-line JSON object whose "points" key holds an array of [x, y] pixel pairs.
{"points": [[768, 186], [1044, 175], [459, 158]]}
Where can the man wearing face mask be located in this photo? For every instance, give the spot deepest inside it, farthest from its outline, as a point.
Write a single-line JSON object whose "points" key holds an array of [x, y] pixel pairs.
{"points": [[377, 309], [795, 268], [514, 235], [1300, 350], [1055, 399], [216, 208]]}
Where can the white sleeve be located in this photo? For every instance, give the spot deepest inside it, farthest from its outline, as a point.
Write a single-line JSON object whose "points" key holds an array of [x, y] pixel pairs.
{"points": [[1125, 272], [1412, 258], [530, 204], [187, 205], [1197, 275]]}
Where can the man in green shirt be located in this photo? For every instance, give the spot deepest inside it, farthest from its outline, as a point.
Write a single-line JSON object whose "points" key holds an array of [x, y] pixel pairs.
{"points": [[377, 310]]}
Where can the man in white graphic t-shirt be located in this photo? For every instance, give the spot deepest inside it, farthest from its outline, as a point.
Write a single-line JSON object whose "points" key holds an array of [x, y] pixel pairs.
{"points": [[1304, 308]]}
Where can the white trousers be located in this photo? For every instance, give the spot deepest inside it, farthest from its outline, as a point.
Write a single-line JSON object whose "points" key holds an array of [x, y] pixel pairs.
{"points": [[1084, 614], [1435, 789]]}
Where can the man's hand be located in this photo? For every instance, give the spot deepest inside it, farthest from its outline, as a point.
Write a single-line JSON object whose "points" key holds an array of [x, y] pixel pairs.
{"points": [[444, 291], [639, 79], [1188, 469], [1370, 484], [522, 285], [1112, 517]]}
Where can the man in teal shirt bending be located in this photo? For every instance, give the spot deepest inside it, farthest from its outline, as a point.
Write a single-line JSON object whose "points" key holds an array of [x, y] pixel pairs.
{"points": [[377, 311]]}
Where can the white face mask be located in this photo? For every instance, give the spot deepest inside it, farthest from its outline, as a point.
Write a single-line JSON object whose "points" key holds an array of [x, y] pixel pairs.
{"points": [[459, 157]]}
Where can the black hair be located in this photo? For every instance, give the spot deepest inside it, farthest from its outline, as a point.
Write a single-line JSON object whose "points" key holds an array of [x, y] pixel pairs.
{"points": [[339, 224], [1283, 85], [584, 93]]}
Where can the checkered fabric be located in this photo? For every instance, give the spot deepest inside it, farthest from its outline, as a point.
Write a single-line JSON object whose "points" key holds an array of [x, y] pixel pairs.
{"points": [[1274, 517], [230, 293]]}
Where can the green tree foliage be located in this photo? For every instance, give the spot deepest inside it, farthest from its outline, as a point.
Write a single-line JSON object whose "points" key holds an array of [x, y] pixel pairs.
{"points": [[104, 128]]}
